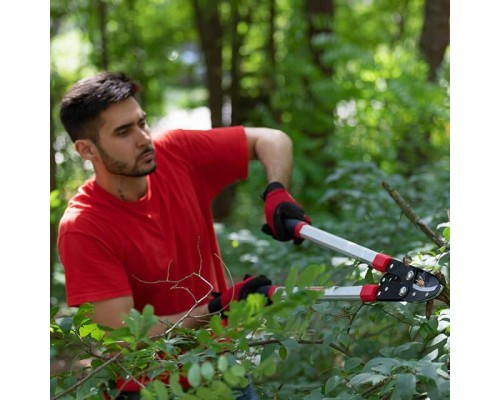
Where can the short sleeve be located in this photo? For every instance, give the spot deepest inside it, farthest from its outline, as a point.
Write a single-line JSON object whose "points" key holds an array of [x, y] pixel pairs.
{"points": [[93, 271], [218, 156]]}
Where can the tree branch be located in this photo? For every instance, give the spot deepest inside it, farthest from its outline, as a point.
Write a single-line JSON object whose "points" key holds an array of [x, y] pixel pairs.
{"points": [[83, 380], [299, 341], [412, 216]]}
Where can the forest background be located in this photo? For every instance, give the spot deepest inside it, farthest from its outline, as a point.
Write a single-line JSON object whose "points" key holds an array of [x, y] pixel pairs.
{"points": [[349, 100]]}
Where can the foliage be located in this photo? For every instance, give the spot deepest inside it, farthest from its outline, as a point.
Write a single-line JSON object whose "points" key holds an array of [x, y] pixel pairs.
{"points": [[325, 348]]}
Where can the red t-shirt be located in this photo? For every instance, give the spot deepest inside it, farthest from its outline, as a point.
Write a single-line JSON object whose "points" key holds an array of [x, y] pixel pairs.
{"points": [[161, 249]]}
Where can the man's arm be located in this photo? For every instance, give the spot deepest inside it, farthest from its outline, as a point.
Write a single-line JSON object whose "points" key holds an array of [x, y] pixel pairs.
{"points": [[274, 149], [111, 313]]}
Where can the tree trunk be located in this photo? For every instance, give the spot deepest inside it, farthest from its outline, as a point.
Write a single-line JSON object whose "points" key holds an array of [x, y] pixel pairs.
{"points": [[319, 15], [102, 18], [435, 36], [210, 31], [211, 35], [238, 14], [413, 149]]}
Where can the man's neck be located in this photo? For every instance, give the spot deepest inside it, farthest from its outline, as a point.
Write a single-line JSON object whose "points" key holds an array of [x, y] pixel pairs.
{"points": [[125, 188]]}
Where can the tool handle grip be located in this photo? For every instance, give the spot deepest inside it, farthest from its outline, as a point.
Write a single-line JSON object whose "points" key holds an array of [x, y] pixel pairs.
{"points": [[293, 226]]}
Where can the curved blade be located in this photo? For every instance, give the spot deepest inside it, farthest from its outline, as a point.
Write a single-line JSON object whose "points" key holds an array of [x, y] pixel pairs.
{"points": [[408, 283]]}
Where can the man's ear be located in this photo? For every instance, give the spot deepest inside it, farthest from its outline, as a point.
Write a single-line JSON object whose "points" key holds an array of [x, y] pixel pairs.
{"points": [[86, 148]]}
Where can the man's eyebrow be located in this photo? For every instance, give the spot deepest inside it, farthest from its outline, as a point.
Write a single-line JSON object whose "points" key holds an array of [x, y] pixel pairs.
{"points": [[126, 126]]}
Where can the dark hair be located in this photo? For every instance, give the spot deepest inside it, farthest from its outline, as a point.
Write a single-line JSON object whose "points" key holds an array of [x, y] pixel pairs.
{"points": [[85, 100]]}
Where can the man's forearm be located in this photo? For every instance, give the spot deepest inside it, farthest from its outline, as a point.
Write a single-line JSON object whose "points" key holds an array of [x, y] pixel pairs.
{"points": [[197, 318], [274, 149]]}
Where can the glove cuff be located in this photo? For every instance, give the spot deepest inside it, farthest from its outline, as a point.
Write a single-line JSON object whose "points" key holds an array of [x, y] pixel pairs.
{"points": [[215, 305], [270, 187]]}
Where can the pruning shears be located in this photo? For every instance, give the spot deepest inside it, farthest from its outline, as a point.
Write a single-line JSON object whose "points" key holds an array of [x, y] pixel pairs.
{"points": [[400, 280]]}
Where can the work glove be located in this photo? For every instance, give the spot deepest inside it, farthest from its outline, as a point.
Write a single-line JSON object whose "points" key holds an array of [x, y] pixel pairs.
{"points": [[240, 291], [278, 206]]}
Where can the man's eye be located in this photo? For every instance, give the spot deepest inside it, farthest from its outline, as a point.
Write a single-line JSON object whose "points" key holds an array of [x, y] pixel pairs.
{"points": [[122, 132]]}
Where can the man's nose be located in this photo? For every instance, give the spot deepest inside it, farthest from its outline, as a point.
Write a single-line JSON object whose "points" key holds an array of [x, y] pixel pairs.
{"points": [[144, 137]]}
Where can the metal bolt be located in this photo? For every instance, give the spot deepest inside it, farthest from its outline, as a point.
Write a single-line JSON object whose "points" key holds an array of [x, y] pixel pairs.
{"points": [[379, 293], [386, 289], [402, 291], [427, 294], [410, 275], [392, 265], [414, 294]]}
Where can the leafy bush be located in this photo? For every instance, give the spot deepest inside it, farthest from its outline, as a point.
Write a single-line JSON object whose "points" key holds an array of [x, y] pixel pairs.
{"points": [[300, 347]]}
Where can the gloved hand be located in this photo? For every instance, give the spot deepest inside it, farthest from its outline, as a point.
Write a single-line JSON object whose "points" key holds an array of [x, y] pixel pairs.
{"points": [[279, 205], [240, 291]]}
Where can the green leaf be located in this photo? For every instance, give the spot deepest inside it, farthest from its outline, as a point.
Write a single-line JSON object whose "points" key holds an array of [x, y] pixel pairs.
{"points": [[146, 394], [315, 395], [222, 389], [352, 363], [160, 390], [175, 385], [270, 369], [283, 352], [414, 331], [309, 276], [343, 339], [369, 278], [238, 370], [383, 365], [438, 339], [82, 314], [367, 377], [203, 336], [432, 355], [222, 363], [189, 396], [91, 329], [322, 308], [206, 394], [65, 323], [405, 386], [268, 351], [291, 344], [194, 375], [231, 379], [207, 370], [291, 280], [427, 369], [332, 383]]}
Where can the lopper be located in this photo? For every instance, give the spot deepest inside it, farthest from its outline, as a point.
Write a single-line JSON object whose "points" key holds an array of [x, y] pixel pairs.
{"points": [[400, 281]]}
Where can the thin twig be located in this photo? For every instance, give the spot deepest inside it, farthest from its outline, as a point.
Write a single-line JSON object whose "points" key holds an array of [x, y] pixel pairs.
{"points": [[412, 216], [265, 342], [83, 380]]}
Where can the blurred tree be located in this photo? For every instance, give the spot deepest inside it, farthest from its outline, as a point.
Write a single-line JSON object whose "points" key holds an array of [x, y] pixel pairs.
{"points": [[210, 34], [102, 15], [435, 35]]}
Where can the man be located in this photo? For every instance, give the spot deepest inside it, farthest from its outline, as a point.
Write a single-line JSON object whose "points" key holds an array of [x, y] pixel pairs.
{"points": [[141, 230]]}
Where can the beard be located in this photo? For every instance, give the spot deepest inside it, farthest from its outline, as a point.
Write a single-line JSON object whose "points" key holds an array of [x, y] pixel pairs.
{"points": [[122, 168]]}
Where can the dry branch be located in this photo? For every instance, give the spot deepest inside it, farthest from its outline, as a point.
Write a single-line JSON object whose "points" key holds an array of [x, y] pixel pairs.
{"points": [[412, 216]]}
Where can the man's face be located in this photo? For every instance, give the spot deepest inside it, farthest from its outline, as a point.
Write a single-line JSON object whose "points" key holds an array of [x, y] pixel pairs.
{"points": [[124, 140]]}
